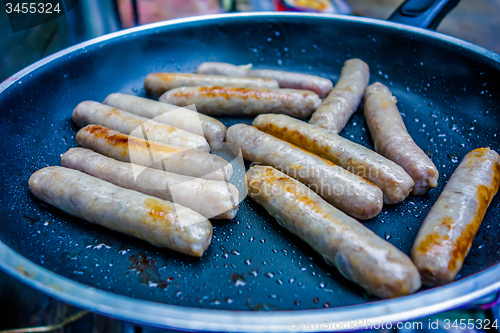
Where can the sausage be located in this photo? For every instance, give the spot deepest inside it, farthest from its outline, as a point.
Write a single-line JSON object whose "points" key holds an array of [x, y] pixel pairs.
{"points": [[178, 160], [210, 198], [391, 139], [182, 118], [156, 221], [157, 83], [343, 100], [357, 252], [390, 177], [346, 191], [319, 85], [446, 235], [224, 101], [89, 112], [221, 68]]}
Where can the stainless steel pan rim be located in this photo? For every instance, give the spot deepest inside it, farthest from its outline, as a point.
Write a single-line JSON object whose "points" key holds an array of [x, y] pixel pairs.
{"points": [[167, 316], [156, 314]]}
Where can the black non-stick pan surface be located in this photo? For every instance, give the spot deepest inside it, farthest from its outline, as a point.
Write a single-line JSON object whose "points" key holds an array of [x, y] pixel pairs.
{"points": [[447, 94]]}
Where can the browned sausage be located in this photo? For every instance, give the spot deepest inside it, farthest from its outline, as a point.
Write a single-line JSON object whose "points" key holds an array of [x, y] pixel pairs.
{"points": [[90, 112], [390, 177], [392, 140], [319, 85], [224, 101], [343, 189], [178, 160], [449, 229], [157, 83], [357, 252], [156, 221], [187, 120], [343, 100], [210, 198], [221, 68]]}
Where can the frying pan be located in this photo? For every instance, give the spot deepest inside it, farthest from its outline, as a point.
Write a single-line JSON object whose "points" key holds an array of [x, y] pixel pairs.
{"points": [[255, 276]]}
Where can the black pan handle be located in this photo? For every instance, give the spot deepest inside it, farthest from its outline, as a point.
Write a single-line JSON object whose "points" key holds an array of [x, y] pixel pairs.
{"points": [[423, 13]]}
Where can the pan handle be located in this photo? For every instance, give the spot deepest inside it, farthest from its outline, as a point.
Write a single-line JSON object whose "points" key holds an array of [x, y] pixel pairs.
{"points": [[423, 13]]}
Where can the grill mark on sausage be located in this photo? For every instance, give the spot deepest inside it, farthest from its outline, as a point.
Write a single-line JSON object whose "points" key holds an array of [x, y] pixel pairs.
{"points": [[297, 138], [450, 237], [126, 141], [291, 188], [158, 211]]}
